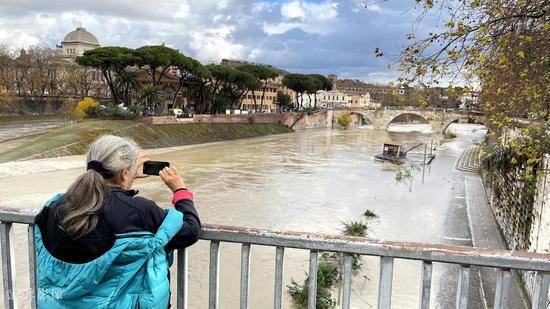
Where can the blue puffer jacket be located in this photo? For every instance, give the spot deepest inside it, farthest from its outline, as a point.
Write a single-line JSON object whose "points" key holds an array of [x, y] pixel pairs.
{"points": [[132, 274]]}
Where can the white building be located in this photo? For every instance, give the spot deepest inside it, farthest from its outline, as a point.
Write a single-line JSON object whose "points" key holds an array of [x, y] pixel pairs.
{"points": [[333, 99], [76, 43]]}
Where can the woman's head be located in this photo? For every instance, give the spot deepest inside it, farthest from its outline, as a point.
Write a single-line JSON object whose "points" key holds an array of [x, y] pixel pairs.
{"points": [[111, 161], [118, 156]]}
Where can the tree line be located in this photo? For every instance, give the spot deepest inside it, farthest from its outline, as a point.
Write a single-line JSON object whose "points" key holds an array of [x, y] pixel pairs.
{"points": [[111, 72], [37, 72], [212, 88]]}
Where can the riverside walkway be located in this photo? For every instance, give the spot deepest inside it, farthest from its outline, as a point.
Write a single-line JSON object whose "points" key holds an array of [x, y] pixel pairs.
{"points": [[485, 234], [467, 258]]}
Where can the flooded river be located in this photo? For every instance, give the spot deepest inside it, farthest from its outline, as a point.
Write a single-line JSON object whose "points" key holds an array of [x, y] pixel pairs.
{"points": [[306, 181]]}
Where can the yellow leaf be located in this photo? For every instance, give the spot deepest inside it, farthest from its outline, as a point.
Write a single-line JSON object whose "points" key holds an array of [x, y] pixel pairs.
{"points": [[521, 54]]}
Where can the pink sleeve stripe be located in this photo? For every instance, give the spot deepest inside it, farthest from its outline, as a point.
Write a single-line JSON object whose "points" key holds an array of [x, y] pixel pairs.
{"points": [[182, 195]]}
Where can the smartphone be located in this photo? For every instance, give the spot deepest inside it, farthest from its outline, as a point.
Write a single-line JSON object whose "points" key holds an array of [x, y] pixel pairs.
{"points": [[154, 167]]}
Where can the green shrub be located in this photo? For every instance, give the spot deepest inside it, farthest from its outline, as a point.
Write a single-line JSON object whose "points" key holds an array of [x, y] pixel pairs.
{"points": [[355, 228], [327, 275], [370, 214]]}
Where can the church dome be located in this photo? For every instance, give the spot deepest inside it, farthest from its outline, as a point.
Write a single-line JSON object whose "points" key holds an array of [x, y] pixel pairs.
{"points": [[80, 35]]}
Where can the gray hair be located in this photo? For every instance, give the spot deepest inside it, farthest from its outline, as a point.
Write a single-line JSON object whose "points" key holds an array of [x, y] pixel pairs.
{"points": [[85, 197]]}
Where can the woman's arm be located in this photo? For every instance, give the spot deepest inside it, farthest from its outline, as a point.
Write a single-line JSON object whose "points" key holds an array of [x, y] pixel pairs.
{"points": [[190, 231], [183, 202]]}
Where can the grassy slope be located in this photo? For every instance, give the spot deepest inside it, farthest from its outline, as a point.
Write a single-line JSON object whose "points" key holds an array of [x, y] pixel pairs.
{"points": [[74, 139]]}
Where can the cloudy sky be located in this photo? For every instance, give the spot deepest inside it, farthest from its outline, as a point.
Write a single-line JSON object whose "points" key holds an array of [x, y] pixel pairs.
{"points": [[322, 36]]}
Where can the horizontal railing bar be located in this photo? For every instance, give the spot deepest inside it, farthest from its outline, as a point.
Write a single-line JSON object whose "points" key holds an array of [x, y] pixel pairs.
{"points": [[366, 246], [356, 245]]}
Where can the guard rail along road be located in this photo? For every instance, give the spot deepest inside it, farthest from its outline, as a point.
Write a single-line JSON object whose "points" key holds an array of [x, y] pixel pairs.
{"points": [[503, 260]]}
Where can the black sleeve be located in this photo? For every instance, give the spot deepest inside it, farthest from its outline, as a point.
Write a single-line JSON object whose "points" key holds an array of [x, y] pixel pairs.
{"points": [[189, 232]]}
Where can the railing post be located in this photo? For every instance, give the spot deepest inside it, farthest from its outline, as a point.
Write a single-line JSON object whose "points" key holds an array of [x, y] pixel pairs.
{"points": [[425, 287], [279, 266], [181, 283], [463, 287], [214, 280], [32, 266], [312, 292], [348, 258], [502, 289], [385, 286], [7, 277], [540, 296], [245, 274]]}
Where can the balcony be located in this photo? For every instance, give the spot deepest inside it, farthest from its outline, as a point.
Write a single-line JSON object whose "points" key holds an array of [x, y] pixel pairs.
{"points": [[466, 257]]}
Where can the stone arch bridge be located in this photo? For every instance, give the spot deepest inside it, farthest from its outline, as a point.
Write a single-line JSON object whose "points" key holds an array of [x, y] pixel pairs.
{"points": [[439, 119]]}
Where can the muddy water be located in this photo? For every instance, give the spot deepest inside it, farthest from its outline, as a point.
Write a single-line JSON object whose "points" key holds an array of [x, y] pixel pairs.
{"points": [[306, 181]]}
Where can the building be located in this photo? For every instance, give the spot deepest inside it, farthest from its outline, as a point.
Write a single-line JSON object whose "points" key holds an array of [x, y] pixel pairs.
{"points": [[76, 43], [169, 88], [470, 101], [363, 101], [274, 85], [357, 87], [333, 99]]}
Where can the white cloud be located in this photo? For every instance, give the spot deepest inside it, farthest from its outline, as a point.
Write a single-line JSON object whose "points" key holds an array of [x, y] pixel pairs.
{"points": [[333, 36], [182, 11], [211, 45], [293, 10], [308, 16]]}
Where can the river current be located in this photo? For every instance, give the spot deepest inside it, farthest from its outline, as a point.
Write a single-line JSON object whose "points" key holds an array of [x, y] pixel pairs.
{"points": [[309, 181]]}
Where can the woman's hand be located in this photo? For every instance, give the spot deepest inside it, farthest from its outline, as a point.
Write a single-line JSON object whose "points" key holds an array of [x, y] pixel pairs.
{"points": [[139, 170], [172, 178]]}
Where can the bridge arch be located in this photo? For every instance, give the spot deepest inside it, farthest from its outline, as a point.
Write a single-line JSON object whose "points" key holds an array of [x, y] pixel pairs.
{"points": [[449, 124], [361, 119], [409, 117]]}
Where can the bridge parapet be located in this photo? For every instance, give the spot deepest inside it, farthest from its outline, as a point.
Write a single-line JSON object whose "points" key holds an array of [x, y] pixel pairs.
{"points": [[467, 257]]}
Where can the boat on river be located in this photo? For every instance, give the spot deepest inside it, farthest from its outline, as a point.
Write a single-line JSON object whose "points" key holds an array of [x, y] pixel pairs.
{"points": [[394, 152]]}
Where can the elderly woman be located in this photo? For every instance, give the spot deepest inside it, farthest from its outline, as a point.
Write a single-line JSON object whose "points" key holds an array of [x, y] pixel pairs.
{"points": [[100, 245]]}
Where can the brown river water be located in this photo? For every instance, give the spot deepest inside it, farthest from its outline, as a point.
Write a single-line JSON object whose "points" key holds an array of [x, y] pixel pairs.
{"points": [[306, 181]]}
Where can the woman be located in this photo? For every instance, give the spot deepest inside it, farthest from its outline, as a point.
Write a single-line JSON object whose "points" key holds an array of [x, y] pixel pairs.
{"points": [[101, 246]]}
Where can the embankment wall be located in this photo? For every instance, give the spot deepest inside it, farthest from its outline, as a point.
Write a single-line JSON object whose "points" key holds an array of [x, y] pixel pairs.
{"points": [[521, 207]]}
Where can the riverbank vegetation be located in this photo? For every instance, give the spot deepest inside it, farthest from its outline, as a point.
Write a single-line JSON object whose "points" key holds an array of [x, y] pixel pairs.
{"points": [[344, 120], [330, 269], [75, 138]]}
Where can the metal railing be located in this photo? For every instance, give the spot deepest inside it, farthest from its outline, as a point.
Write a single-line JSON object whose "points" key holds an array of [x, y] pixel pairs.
{"points": [[503, 260]]}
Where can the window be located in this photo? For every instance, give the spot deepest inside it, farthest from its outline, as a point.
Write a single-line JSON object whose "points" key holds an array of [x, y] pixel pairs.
{"points": [[169, 94]]}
